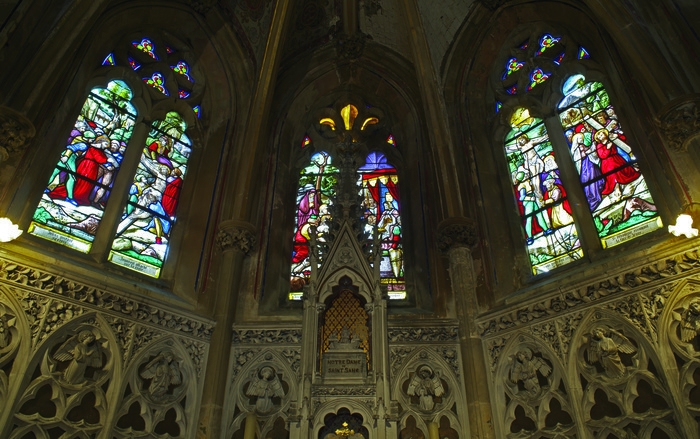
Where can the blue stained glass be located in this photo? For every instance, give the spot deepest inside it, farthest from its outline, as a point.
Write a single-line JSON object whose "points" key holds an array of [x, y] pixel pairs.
{"points": [[379, 187]]}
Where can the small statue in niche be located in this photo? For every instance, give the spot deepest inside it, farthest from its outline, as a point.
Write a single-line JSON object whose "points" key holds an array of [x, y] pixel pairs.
{"points": [[163, 371], [425, 385], [690, 321], [82, 351], [265, 385], [525, 368], [604, 346]]}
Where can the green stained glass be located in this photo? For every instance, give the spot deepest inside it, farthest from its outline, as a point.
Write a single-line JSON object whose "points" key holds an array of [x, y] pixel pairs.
{"points": [[143, 234], [315, 195], [73, 203], [615, 189], [547, 220]]}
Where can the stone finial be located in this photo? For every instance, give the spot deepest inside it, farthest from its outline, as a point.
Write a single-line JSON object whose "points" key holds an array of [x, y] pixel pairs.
{"points": [[456, 232], [235, 238], [15, 132], [680, 122]]}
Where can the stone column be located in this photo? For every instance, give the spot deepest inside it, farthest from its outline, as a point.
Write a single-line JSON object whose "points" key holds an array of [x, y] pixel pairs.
{"points": [[234, 241], [457, 237], [433, 430]]}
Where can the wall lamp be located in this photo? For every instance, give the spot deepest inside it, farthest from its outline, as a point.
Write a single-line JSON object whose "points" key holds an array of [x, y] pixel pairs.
{"points": [[8, 230]]}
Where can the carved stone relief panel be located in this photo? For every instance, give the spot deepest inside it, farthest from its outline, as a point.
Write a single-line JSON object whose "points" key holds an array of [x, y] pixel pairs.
{"points": [[72, 373], [532, 392], [160, 392], [10, 337], [623, 392], [264, 382]]}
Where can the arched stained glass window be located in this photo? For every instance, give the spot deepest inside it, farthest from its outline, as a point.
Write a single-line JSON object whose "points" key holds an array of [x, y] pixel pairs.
{"points": [[315, 194], [143, 234], [74, 200], [547, 221], [379, 183], [616, 192]]}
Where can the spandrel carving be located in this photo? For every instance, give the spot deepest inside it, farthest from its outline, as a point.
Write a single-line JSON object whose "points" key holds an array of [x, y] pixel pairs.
{"points": [[426, 385], [604, 347], [524, 371], [265, 385], [164, 375], [690, 321], [82, 351]]}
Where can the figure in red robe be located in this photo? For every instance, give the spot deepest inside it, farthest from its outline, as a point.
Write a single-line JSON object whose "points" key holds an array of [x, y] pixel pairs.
{"points": [[88, 168], [171, 195], [610, 160]]}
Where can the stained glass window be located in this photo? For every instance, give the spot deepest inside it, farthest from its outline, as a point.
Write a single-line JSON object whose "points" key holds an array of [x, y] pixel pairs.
{"points": [[315, 195], [547, 41], [146, 46], [512, 66], [390, 140], [615, 189], [537, 77], [197, 110], [74, 200], [306, 142], [512, 90], [143, 234], [583, 53], [109, 60], [379, 187], [183, 69], [559, 59], [157, 81], [134, 65], [547, 220]]}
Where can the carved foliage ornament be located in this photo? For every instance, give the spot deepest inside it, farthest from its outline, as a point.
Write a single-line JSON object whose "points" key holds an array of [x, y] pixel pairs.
{"points": [[456, 235], [419, 335], [680, 123], [238, 239], [15, 131]]}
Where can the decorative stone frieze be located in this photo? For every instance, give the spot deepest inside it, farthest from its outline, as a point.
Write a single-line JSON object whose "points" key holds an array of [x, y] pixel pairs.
{"points": [[680, 122], [267, 336], [343, 391], [235, 238], [40, 287], [565, 301], [457, 232], [15, 132], [423, 335]]}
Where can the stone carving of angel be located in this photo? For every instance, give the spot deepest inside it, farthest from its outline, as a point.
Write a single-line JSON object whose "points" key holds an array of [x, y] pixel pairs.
{"points": [[4, 330], [163, 371], [82, 351], [604, 345], [265, 385], [425, 385], [525, 368], [690, 321]]}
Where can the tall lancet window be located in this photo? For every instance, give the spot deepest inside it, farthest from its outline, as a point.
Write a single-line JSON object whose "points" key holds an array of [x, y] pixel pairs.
{"points": [[315, 194], [143, 234], [379, 183], [616, 191], [78, 190], [547, 221]]}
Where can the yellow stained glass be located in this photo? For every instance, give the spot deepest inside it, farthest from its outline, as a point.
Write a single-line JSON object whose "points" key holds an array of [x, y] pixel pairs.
{"points": [[349, 113], [328, 121], [369, 121]]}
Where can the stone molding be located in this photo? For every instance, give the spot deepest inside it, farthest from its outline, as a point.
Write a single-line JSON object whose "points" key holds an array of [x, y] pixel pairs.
{"points": [[343, 391], [44, 286], [423, 335], [235, 238], [680, 122], [457, 232], [561, 302], [15, 132], [267, 336]]}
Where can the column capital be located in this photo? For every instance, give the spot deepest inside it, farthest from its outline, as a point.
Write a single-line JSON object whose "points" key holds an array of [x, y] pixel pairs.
{"points": [[679, 121], [15, 132], [457, 232], [235, 235]]}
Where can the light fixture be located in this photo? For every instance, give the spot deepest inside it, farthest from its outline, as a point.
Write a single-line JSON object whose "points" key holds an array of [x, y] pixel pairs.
{"points": [[8, 230], [684, 226]]}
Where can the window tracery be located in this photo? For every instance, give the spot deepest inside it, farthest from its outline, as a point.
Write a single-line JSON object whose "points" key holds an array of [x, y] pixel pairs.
{"points": [[620, 204], [74, 201]]}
